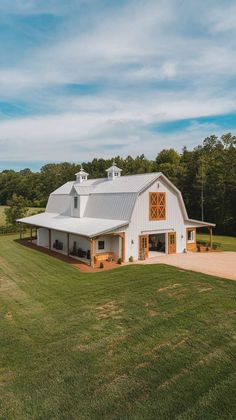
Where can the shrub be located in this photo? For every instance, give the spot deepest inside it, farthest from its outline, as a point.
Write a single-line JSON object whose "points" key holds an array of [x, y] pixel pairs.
{"points": [[101, 265], [198, 248], [131, 259], [119, 261], [4, 230]]}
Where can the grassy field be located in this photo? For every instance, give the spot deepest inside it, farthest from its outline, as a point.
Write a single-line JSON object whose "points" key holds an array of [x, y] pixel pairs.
{"points": [[226, 243], [138, 342], [31, 210]]}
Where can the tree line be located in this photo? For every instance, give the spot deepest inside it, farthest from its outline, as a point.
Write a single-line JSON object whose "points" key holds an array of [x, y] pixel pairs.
{"points": [[206, 176]]}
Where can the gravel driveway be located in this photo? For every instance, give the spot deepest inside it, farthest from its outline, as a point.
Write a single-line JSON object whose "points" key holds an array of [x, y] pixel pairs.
{"points": [[220, 264]]}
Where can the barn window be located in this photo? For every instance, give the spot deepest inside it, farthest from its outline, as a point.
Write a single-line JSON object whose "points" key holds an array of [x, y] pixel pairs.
{"points": [[190, 235], [75, 202], [101, 245], [157, 206]]}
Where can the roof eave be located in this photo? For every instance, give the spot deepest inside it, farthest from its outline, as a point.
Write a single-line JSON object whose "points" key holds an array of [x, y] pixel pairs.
{"points": [[125, 223], [109, 230], [200, 222]]}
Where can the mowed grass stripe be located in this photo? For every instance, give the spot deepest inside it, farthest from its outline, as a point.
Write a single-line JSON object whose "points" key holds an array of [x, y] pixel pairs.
{"points": [[136, 342]]}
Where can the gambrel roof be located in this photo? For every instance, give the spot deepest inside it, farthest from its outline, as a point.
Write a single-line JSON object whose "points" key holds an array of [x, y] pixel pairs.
{"points": [[123, 184], [109, 205]]}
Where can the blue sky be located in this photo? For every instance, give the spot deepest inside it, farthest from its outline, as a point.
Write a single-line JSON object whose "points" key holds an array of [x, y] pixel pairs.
{"points": [[94, 78]]}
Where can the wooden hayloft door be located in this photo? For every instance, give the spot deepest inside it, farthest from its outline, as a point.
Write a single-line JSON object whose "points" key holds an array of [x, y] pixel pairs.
{"points": [[172, 243], [143, 247]]}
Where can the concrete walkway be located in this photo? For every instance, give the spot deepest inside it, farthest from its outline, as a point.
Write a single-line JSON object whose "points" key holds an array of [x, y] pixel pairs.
{"points": [[220, 264]]}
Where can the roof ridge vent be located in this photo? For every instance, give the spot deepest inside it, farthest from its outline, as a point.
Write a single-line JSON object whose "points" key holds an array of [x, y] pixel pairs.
{"points": [[113, 172]]}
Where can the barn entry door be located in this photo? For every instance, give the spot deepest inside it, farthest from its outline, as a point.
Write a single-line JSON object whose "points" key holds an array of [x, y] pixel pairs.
{"points": [[172, 243], [143, 247]]}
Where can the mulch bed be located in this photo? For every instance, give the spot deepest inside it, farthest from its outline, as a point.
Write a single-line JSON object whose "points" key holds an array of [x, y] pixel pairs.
{"points": [[107, 265]]}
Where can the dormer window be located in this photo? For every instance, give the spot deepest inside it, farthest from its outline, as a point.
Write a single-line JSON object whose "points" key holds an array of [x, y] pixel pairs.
{"points": [[75, 202]]}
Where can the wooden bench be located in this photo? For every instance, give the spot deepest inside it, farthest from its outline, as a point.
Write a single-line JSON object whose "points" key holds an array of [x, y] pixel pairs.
{"points": [[103, 256]]}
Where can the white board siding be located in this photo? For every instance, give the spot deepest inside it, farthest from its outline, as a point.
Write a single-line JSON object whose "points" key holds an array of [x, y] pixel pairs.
{"points": [[140, 222], [43, 237], [81, 242], [107, 244], [111, 244], [75, 212], [83, 203], [60, 236], [117, 246]]}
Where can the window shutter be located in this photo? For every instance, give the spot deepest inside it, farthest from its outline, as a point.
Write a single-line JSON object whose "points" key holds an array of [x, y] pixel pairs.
{"points": [[153, 206], [161, 206]]}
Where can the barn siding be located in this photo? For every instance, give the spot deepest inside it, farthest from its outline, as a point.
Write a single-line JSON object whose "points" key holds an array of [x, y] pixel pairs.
{"points": [[43, 237], [140, 219]]}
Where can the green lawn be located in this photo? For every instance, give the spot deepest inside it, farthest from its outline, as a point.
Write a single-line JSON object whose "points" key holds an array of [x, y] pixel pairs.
{"points": [[138, 342], [225, 243], [31, 210]]}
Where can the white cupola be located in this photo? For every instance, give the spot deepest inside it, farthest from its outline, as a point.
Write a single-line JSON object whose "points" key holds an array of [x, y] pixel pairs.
{"points": [[81, 175], [113, 172]]}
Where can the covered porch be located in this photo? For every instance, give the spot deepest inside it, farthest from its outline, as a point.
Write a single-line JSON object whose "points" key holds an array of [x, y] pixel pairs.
{"points": [[87, 239], [91, 251], [192, 244]]}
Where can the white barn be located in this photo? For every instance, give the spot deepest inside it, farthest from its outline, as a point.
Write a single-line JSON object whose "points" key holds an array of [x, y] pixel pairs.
{"points": [[137, 216]]}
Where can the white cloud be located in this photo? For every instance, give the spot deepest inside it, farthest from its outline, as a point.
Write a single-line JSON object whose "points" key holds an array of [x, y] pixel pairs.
{"points": [[104, 126], [156, 63], [223, 19]]}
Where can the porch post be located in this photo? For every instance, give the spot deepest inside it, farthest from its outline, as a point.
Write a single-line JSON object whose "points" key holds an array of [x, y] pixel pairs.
{"points": [[31, 235], [93, 252], [49, 239], [68, 244], [20, 230], [123, 247], [210, 230], [122, 236]]}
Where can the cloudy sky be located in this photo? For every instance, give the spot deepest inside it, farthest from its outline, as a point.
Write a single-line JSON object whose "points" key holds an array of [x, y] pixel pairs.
{"points": [[96, 78]]}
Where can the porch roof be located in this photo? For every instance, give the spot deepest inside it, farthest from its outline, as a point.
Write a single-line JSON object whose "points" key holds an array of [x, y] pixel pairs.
{"points": [[85, 226], [198, 223]]}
